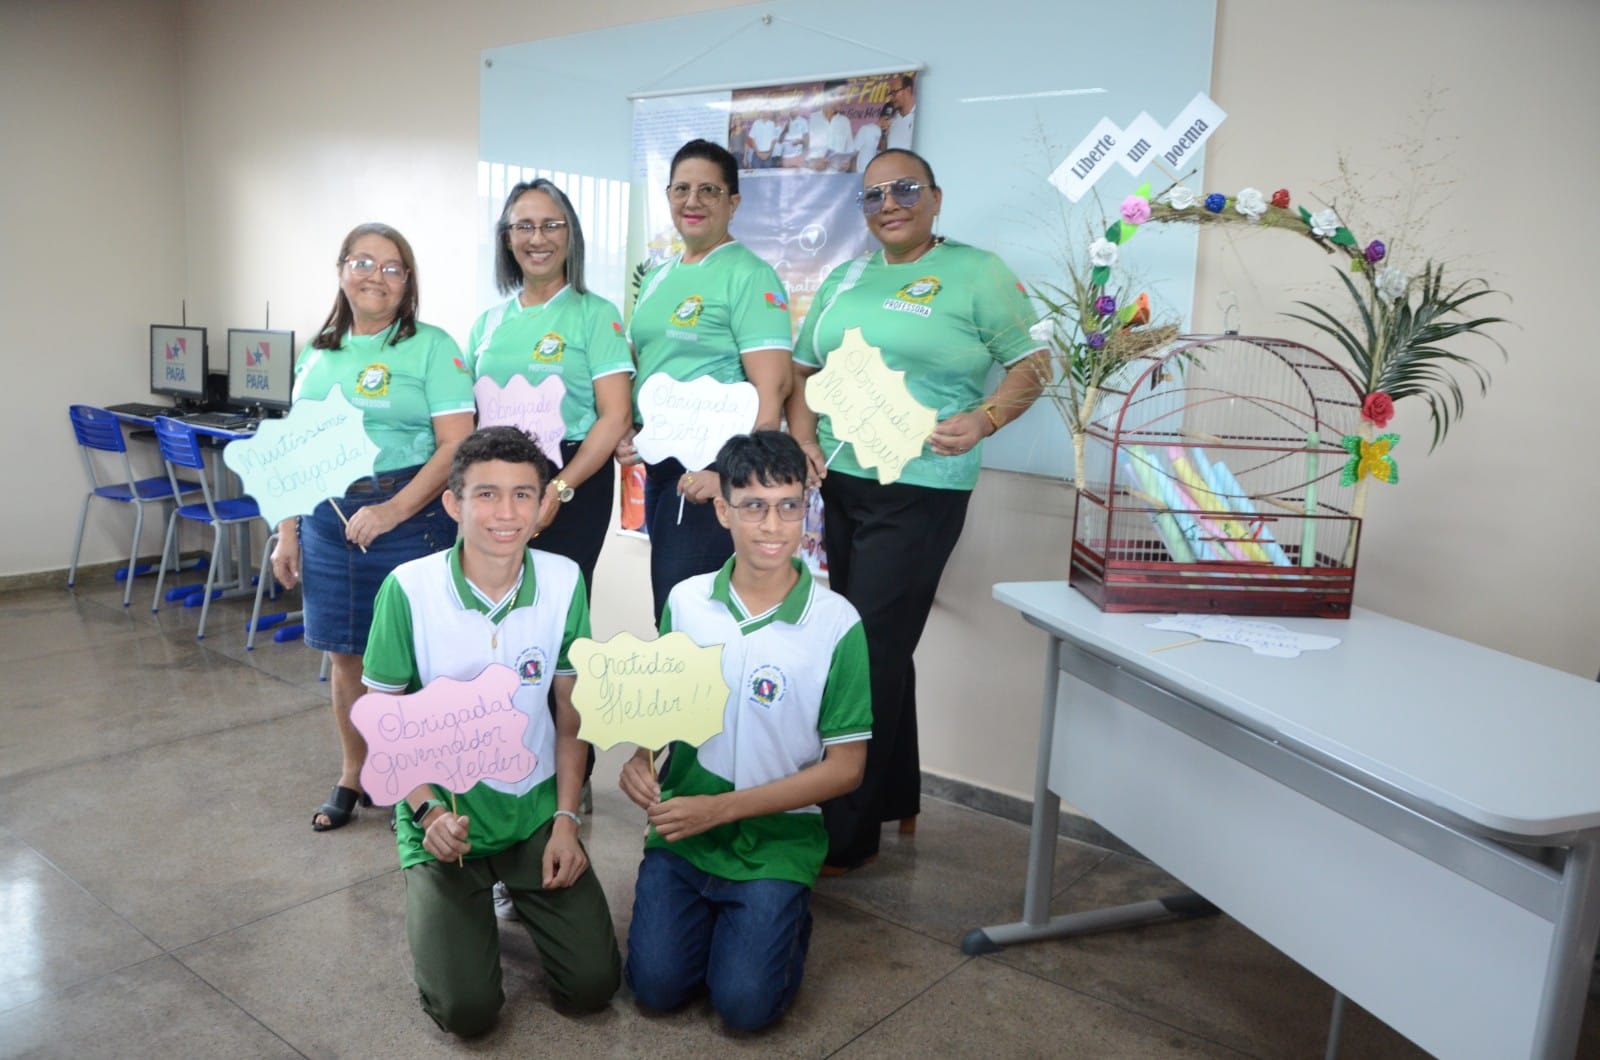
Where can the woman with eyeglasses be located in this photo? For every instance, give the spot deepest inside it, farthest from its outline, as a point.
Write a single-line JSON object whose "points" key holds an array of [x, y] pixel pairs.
{"points": [[415, 397], [554, 326], [717, 310], [944, 313]]}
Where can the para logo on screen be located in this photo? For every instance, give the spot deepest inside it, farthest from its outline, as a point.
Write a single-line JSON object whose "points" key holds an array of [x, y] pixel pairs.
{"points": [[177, 353], [255, 366]]}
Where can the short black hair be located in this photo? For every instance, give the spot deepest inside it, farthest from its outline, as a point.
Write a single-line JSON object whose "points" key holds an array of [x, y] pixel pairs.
{"points": [[908, 153], [509, 444], [716, 154], [771, 458]]}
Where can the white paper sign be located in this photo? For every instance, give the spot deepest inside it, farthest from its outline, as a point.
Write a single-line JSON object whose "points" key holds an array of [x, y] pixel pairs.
{"points": [[1189, 130], [1263, 638], [1142, 142], [1137, 145], [534, 409], [1088, 162], [690, 421], [293, 464]]}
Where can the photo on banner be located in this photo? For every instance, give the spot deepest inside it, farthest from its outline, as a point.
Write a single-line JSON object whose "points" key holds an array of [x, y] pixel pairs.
{"points": [[801, 147]]}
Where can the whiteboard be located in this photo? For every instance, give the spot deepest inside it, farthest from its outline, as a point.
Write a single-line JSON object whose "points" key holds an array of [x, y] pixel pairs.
{"points": [[1007, 88]]}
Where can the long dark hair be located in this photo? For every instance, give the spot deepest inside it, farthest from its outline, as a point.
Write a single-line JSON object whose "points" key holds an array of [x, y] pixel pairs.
{"points": [[333, 330], [507, 273]]}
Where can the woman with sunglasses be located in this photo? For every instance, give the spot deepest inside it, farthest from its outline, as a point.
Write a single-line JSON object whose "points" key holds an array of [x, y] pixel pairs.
{"points": [[944, 313], [555, 326], [717, 310], [415, 397]]}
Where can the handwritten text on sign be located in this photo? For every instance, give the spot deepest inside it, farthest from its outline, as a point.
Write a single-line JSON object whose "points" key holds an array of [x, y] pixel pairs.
{"points": [[450, 733], [536, 410], [690, 421], [648, 693], [293, 464], [1263, 638], [869, 407]]}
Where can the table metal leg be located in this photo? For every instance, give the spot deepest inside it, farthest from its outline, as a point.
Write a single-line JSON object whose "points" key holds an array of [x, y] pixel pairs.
{"points": [[1571, 955], [1036, 921], [1335, 1027]]}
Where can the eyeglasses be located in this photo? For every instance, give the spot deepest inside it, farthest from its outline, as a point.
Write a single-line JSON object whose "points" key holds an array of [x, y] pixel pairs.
{"points": [[755, 511], [366, 267], [907, 193], [706, 192], [527, 228]]}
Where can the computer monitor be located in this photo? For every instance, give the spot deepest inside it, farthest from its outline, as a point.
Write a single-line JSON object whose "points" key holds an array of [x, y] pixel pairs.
{"points": [[178, 361], [260, 368]]}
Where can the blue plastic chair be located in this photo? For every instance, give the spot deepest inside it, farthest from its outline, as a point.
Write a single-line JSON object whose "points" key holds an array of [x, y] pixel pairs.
{"points": [[99, 431], [180, 448]]}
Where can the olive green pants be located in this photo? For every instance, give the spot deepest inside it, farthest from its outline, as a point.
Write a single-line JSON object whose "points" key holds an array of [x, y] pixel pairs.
{"points": [[455, 938]]}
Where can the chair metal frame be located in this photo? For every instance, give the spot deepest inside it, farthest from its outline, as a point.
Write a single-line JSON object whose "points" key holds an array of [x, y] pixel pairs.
{"points": [[180, 447], [99, 430]]}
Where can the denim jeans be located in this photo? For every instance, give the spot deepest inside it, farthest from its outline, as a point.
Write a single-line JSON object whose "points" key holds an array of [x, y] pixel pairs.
{"points": [[744, 940]]}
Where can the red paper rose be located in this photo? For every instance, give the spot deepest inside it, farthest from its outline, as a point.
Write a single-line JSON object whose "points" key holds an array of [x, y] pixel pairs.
{"points": [[1280, 198], [1378, 409]]}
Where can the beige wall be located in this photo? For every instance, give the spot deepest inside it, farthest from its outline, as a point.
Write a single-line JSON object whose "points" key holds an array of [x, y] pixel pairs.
{"points": [[302, 117]]}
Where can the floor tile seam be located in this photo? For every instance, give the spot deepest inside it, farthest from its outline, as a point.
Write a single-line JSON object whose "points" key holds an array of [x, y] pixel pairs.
{"points": [[231, 1000], [965, 960], [364, 881], [1105, 856], [1118, 1005], [7, 783]]}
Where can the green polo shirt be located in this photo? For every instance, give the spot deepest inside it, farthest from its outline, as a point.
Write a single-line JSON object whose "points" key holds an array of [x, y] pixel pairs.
{"points": [[799, 682]]}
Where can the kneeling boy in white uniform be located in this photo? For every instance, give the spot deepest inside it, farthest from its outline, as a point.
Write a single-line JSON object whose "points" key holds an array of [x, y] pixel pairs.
{"points": [[723, 899], [492, 599]]}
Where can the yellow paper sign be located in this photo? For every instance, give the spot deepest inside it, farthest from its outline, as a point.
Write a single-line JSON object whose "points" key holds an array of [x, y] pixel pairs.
{"points": [[648, 692], [870, 407]]}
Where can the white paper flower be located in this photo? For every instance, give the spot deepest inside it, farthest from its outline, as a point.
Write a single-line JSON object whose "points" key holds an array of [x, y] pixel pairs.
{"points": [[1044, 331], [1251, 203], [1392, 283], [1324, 223], [1180, 198], [1102, 252]]}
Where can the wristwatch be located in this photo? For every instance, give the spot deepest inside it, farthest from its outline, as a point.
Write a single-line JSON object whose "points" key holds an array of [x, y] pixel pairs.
{"points": [[564, 492]]}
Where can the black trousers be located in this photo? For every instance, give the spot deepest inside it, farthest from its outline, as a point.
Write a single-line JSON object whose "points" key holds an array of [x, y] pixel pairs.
{"points": [[887, 549], [697, 544], [578, 531]]}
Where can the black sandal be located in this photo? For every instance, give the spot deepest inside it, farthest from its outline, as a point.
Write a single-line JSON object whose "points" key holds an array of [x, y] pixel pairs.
{"points": [[340, 807]]}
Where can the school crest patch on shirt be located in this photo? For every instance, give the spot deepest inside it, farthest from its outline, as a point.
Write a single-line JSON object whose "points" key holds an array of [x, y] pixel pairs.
{"points": [[768, 685], [687, 315], [549, 349], [920, 291], [530, 666], [373, 382]]}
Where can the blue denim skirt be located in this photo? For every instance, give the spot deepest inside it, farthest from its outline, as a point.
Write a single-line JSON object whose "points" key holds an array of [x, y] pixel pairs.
{"points": [[339, 581]]}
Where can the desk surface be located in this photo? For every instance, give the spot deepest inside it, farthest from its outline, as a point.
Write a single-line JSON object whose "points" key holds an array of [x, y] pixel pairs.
{"points": [[1506, 744]]}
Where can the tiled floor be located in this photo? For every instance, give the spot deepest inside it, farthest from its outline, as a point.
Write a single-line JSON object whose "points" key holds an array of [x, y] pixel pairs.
{"points": [[162, 895]]}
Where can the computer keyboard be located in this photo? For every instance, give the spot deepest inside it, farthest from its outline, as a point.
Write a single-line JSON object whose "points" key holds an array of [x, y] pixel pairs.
{"points": [[142, 410], [222, 420]]}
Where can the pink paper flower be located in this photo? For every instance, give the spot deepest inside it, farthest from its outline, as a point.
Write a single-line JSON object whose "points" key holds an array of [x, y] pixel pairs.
{"points": [[1136, 209]]}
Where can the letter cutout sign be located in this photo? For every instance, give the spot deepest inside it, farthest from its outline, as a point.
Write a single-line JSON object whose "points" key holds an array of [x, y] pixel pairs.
{"points": [[1142, 142], [291, 465], [648, 692], [690, 421], [534, 410], [869, 407]]}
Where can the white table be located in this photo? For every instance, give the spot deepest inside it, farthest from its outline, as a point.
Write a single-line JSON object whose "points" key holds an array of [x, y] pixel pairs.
{"points": [[1413, 818]]}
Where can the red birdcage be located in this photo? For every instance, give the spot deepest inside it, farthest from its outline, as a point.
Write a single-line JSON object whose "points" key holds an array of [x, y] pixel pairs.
{"points": [[1212, 482]]}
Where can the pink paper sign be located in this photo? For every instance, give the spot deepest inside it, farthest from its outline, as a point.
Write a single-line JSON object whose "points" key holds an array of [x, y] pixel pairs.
{"points": [[451, 733], [535, 409]]}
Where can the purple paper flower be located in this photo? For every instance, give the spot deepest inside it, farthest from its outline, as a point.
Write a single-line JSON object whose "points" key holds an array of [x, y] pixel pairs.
{"points": [[1105, 305], [1096, 339], [1216, 201], [1376, 252]]}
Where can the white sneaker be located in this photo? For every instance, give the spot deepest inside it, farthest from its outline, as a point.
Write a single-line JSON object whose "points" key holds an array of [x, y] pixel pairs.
{"points": [[502, 903]]}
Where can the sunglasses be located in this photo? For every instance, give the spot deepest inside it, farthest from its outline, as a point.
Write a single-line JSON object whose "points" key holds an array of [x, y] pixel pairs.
{"points": [[907, 193]]}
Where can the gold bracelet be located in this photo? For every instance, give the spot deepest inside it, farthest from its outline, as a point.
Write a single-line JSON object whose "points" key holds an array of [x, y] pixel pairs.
{"points": [[988, 410]]}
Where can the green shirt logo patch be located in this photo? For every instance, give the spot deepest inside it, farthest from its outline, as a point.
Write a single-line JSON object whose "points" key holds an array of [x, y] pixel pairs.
{"points": [[687, 315], [373, 381], [549, 349], [920, 291]]}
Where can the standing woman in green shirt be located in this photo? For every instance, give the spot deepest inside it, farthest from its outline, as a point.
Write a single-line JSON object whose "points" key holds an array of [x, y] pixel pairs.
{"points": [[555, 326], [716, 310], [415, 397], [944, 313]]}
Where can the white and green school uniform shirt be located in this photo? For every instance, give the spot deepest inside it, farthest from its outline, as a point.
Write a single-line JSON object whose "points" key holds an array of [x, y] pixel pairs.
{"points": [[398, 388], [428, 621], [575, 336], [697, 320], [944, 320], [800, 683]]}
